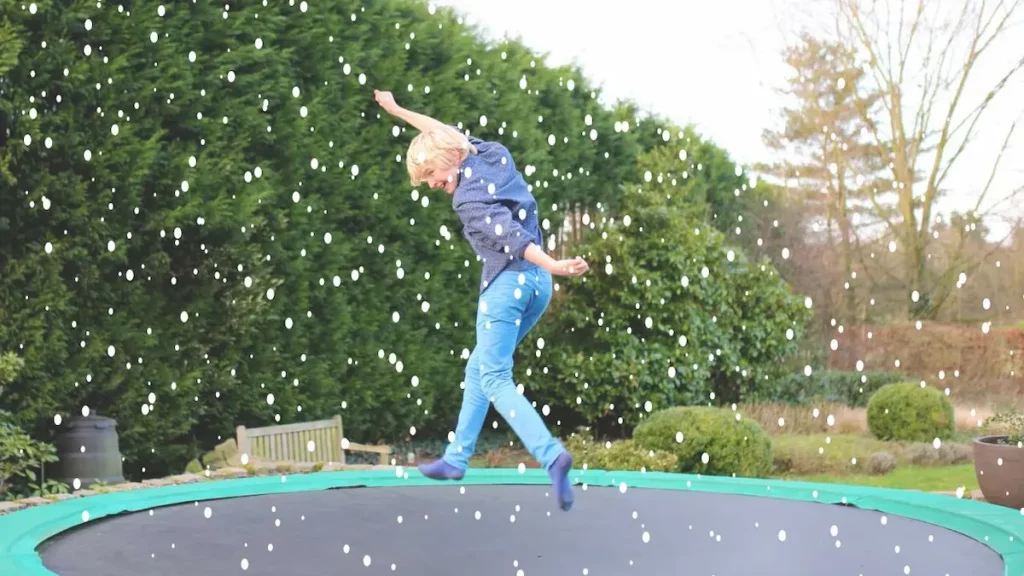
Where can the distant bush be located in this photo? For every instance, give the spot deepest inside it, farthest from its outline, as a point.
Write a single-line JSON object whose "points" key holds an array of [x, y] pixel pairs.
{"points": [[881, 463], [925, 454], [906, 411], [838, 386], [733, 444], [618, 455]]}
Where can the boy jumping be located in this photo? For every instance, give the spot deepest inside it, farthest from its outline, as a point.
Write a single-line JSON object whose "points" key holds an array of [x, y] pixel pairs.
{"points": [[499, 216]]}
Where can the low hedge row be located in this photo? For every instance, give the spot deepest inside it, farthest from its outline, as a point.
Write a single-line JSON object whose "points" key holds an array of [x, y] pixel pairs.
{"points": [[850, 388], [723, 442]]}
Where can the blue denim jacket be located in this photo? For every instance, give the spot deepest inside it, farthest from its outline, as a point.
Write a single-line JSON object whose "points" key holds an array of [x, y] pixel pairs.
{"points": [[497, 210]]}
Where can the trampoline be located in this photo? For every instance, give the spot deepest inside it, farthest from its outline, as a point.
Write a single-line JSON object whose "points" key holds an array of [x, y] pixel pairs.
{"points": [[498, 522]]}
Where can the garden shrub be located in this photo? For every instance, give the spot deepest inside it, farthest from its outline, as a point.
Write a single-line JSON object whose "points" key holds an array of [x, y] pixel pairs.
{"points": [[950, 453], [734, 445], [925, 454], [906, 411], [619, 455], [881, 463], [22, 459]]}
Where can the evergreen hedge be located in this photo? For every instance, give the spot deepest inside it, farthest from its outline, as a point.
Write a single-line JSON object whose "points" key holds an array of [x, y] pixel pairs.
{"points": [[206, 220]]}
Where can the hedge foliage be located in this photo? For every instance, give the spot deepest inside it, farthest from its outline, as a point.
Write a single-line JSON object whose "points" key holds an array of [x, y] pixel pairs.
{"points": [[206, 223], [672, 314], [849, 388], [908, 411]]}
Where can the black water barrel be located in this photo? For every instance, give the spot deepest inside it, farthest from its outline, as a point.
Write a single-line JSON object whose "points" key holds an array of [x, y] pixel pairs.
{"points": [[89, 451]]}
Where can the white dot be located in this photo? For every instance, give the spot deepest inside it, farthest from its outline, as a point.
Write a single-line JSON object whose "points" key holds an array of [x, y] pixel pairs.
{"points": [[782, 535], [208, 513], [245, 564], [366, 560], [646, 537]]}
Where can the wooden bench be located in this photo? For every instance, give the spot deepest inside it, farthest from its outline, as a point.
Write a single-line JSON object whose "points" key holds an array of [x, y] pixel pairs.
{"points": [[290, 442]]}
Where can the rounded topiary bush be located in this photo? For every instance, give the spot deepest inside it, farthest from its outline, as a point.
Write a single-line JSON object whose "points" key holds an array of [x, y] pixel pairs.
{"points": [[908, 412], [733, 446]]}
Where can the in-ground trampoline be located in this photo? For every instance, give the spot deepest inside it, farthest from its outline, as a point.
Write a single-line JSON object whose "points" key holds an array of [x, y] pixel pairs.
{"points": [[498, 522]]}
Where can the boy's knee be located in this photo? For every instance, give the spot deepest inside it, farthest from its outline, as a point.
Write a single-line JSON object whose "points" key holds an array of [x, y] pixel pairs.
{"points": [[492, 383]]}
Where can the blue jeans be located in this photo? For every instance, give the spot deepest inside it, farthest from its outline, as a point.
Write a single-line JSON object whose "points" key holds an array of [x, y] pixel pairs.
{"points": [[508, 308]]}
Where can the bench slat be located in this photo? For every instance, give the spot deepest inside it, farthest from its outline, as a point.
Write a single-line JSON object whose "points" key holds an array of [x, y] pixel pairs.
{"points": [[290, 442]]}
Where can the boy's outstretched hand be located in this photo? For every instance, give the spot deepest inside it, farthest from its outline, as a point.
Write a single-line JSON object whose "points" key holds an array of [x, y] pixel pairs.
{"points": [[570, 268], [386, 101]]}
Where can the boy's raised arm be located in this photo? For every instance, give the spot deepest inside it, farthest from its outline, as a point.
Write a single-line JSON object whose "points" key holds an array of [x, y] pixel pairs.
{"points": [[421, 122]]}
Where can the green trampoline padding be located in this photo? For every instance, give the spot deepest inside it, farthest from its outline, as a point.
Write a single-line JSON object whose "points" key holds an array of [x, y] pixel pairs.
{"points": [[1000, 528]]}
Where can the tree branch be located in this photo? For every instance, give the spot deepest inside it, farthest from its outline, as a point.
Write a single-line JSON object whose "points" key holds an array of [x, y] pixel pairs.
{"points": [[995, 165]]}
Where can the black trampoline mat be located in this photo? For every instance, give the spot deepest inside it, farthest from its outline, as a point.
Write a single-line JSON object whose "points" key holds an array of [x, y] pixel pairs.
{"points": [[436, 530]]}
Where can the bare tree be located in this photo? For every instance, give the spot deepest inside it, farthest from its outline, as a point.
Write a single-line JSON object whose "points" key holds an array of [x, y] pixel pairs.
{"points": [[826, 161], [926, 124]]}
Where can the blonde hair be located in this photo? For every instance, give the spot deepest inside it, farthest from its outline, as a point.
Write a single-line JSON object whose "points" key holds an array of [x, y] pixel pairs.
{"points": [[438, 149]]}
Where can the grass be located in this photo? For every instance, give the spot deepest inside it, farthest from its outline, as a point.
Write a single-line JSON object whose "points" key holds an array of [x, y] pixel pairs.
{"points": [[928, 478]]}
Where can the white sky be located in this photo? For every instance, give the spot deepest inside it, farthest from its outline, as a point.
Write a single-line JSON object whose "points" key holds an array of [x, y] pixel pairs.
{"points": [[715, 64]]}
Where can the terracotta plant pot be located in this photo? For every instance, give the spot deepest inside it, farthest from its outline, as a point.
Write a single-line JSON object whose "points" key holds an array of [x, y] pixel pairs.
{"points": [[1000, 471]]}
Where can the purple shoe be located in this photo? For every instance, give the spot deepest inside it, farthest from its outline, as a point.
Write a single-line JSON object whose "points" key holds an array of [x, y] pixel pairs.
{"points": [[559, 473], [441, 470]]}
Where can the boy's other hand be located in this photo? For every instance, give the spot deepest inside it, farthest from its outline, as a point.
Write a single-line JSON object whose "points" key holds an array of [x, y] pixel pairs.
{"points": [[570, 268]]}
